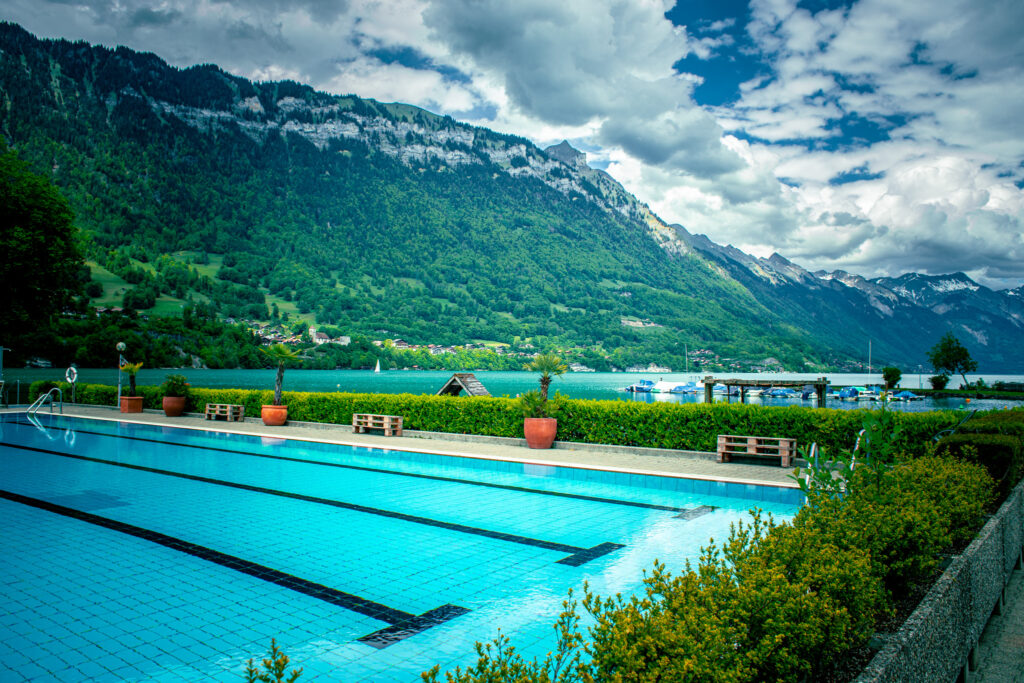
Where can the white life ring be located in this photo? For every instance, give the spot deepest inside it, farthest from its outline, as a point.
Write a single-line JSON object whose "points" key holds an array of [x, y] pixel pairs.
{"points": [[71, 375]]}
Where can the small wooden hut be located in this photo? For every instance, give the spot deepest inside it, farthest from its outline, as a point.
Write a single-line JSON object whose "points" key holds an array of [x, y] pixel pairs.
{"points": [[463, 380]]}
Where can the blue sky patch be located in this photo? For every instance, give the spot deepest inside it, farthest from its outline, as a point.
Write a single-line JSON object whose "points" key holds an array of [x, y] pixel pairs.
{"points": [[414, 59], [854, 175]]}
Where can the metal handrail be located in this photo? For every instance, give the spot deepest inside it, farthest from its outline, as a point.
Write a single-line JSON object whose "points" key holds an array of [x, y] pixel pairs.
{"points": [[38, 403], [856, 447], [812, 454], [39, 425], [952, 430]]}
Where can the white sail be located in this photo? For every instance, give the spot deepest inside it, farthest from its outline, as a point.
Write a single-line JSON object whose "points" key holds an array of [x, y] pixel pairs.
{"points": [[377, 369]]}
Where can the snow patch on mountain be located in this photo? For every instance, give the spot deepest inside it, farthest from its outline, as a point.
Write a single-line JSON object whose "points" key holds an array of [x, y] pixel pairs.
{"points": [[954, 285]]}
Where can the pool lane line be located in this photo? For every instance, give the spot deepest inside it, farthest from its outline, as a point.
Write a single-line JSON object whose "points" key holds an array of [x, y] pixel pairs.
{"points": [[507, 487], [577, 555], [401, 624], [694, 513]]}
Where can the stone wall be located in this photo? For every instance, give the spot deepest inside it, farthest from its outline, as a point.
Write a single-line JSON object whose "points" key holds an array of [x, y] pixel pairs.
{"points": [[937, 641]]}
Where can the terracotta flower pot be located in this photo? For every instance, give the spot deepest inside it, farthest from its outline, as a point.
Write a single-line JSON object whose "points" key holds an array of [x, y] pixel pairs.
{"points": [[174, 406], [131, 404], [274, 416], [540, 431]]}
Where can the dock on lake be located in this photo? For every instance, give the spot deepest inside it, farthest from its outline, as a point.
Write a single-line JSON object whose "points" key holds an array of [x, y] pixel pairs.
{"points": [[820, 386]]}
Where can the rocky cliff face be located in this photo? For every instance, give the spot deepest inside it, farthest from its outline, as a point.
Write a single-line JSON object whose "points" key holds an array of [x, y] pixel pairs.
{"points": [[422, 138]]}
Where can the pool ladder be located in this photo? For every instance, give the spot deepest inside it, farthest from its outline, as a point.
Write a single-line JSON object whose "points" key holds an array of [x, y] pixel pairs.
{"points": [[47, 397]]}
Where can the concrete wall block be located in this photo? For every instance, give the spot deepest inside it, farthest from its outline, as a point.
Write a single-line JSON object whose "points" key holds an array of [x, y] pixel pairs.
{"points": [[1013, 531], [984, 557], [940, 627]]}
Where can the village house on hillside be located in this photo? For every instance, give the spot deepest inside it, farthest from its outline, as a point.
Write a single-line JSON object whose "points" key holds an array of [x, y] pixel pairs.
{"points": [[319, 338]]}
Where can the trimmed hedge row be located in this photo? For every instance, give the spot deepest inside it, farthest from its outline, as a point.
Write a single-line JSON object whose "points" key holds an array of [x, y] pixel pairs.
{"points": [[995, 440], [659, 425]]}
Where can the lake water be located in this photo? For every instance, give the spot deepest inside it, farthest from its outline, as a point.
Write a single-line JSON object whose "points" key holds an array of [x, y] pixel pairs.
{"points": [[584, 385]]}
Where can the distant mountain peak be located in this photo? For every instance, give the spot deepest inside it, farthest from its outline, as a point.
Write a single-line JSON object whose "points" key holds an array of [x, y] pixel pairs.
{"points": [[567, 154], [924, 289]]}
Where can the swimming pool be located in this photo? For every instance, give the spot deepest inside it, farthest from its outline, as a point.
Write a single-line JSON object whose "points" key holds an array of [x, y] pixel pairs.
{"points": [[139, 552]]}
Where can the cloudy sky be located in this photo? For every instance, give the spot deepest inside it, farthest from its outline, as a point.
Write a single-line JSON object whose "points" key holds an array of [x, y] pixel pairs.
{"points": [[875, 136]]}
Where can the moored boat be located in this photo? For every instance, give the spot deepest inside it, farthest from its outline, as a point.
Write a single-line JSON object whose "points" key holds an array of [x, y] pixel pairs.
{"points": [[849, 393], [907, 396]]}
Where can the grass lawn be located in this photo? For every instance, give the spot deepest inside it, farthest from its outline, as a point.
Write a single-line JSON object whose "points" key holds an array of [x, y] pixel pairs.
{"points": [[113, 286]]}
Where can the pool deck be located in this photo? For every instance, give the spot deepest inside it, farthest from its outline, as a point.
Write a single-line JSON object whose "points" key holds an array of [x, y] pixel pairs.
{"points": [[688, 464]]}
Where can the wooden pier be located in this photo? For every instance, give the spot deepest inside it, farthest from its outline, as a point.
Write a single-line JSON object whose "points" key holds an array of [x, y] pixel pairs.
{"points": [[820, 386]]}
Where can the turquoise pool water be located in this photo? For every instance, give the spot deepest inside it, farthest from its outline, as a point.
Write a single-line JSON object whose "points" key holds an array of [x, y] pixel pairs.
{"points": [[135, 552]]}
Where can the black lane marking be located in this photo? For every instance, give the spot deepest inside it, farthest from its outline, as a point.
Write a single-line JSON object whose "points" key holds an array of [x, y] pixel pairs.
{"points": [[402, 624], [589, 554], [398, 632], [574, 560], [507, 487], [694, 513]]}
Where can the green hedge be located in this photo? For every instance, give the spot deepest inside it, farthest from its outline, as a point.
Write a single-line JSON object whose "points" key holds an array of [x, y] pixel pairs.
{"points": [[627, 423], [996, 422], [995, 440]]}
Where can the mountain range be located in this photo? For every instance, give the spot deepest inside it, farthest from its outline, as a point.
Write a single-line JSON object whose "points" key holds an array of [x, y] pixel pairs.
{"points": [[262, 199]]}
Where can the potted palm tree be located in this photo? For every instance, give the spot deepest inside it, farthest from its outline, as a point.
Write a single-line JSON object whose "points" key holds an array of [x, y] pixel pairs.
{"points": [[131, 403], [539, 423], [175, 389], [276, 415]]}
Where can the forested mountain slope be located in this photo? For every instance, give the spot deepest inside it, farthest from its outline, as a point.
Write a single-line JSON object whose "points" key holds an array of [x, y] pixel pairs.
{"points": [[380, 219]]}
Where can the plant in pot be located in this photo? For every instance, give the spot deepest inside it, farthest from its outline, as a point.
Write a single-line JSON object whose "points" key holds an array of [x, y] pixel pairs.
{"points": [[175, 390], [131, 403], [539, 423], [276, 415]]}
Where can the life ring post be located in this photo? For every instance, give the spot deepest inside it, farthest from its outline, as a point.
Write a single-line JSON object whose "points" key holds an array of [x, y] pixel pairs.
{"points": [[72, 377]]}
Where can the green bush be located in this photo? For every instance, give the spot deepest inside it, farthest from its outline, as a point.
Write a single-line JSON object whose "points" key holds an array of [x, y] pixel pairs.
{"points": [[902, 533], [775, 603], [903, 516], [800, 600], [40, 387], [962, 492], [1001, 454]]}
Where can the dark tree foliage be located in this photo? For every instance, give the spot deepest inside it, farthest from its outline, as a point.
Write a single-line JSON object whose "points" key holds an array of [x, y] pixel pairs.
{"points": [[40, 261], [892, 376], [950, 357]]}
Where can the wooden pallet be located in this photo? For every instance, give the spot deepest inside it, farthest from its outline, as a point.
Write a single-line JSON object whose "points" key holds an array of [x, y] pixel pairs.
{"points": [[756, 446], [391, 424], [228, 411]]}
